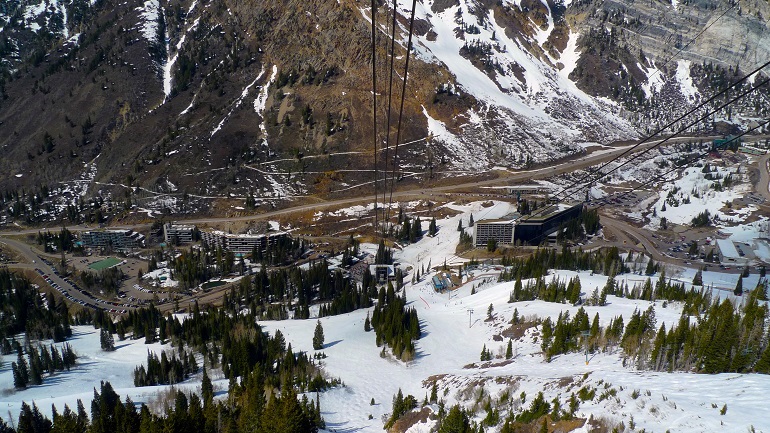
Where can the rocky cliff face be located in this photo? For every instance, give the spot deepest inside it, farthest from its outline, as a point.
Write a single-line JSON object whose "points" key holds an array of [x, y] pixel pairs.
{"points": [[187, 104]]}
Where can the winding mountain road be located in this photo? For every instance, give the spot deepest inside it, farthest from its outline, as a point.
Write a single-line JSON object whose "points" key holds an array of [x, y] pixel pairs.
{"points": [[594, 158]]}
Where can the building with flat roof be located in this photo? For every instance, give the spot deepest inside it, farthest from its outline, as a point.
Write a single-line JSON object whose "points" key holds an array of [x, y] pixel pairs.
{"points": [[533, 229], [178, 233], [729, 253], [499, 230], [117, 240], [526, 230], [241, 243]]}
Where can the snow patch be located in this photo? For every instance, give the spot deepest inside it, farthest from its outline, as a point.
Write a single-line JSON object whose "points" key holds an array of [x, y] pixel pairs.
{"points": [[685, 80], [570, 56]]}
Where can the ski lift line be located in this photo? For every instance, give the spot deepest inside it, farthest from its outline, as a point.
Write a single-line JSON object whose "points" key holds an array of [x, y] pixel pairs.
{"points": [[687, 45], [677, 133], [401, 108], [390, 91], [657, 177], [583, 185], [374, 104], [662, 176], [672, 123], [663, 128]]}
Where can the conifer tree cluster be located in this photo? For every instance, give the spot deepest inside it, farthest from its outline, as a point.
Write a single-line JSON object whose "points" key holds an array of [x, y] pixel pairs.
{"points": [[603, 261], [250, 411], [165, 371], [22, 310], [196, 265], [725, 337], [401, 405], [554, 291], [62, 241], [486, 354], [411, 230], [227, 338], [42, 361], [350, 299], [384, 254], [394, 324]]}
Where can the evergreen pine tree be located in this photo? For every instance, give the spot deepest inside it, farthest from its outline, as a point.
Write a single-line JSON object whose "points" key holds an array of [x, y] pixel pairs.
{"points": [[650, 267], [739, 287], [207, 389], [318, 336], [460, 226], [456, 421], [509, 350], [35, 367], [367, 323], [107, 341], [21, 372], [416, 232], [697, 280], [149, 334], [763, 364], [470, 221]]}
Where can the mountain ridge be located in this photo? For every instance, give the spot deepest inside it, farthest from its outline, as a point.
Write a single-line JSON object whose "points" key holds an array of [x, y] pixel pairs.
{"points": [[173, 105]]}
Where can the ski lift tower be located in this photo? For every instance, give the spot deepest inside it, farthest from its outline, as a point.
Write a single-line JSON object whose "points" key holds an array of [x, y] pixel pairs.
{"points": [[585, 335]]}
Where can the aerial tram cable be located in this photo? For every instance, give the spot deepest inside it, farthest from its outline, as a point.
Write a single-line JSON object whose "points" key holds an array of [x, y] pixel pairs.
{"points": [[374, 108], [677, 133], [663, 175], [692, 160], [390, 95], [582, 183], [583, 179], [401, 108], [687, 45]]}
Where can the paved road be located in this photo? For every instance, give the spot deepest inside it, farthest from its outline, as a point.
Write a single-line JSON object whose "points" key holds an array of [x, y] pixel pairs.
{"points": [[635, 235], [583, 162]]}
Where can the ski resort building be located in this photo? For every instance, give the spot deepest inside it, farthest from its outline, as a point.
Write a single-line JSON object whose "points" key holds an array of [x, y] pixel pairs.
{"points": [[533, 229], [499, 230], [241, 243], [117, 240], [527, 230], [729, 253], [177, 233]]}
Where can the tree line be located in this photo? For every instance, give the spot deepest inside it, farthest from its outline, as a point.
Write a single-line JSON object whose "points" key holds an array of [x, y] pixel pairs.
{"points": [[23, 310], [727, 336], [604, 261]]}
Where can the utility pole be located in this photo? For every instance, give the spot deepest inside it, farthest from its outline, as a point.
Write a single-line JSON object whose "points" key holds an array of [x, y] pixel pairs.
{"points": [[470, 318]]}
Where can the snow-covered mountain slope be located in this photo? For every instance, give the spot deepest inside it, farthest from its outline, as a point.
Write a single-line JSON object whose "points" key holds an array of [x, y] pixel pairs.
{"points": [[506, 83], [525, 108]]}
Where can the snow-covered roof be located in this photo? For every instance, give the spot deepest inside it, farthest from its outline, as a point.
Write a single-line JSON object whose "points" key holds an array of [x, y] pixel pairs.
{"points": [[727, 248]]}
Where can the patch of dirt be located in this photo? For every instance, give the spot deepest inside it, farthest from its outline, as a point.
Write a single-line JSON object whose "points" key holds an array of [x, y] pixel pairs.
{"points": [[488, 364], [516, 332], [409, 419], [561, 426], [427, 383]]}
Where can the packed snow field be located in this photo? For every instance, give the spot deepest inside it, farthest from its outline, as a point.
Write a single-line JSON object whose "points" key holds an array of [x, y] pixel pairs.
{"points": [[455, 328]]}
